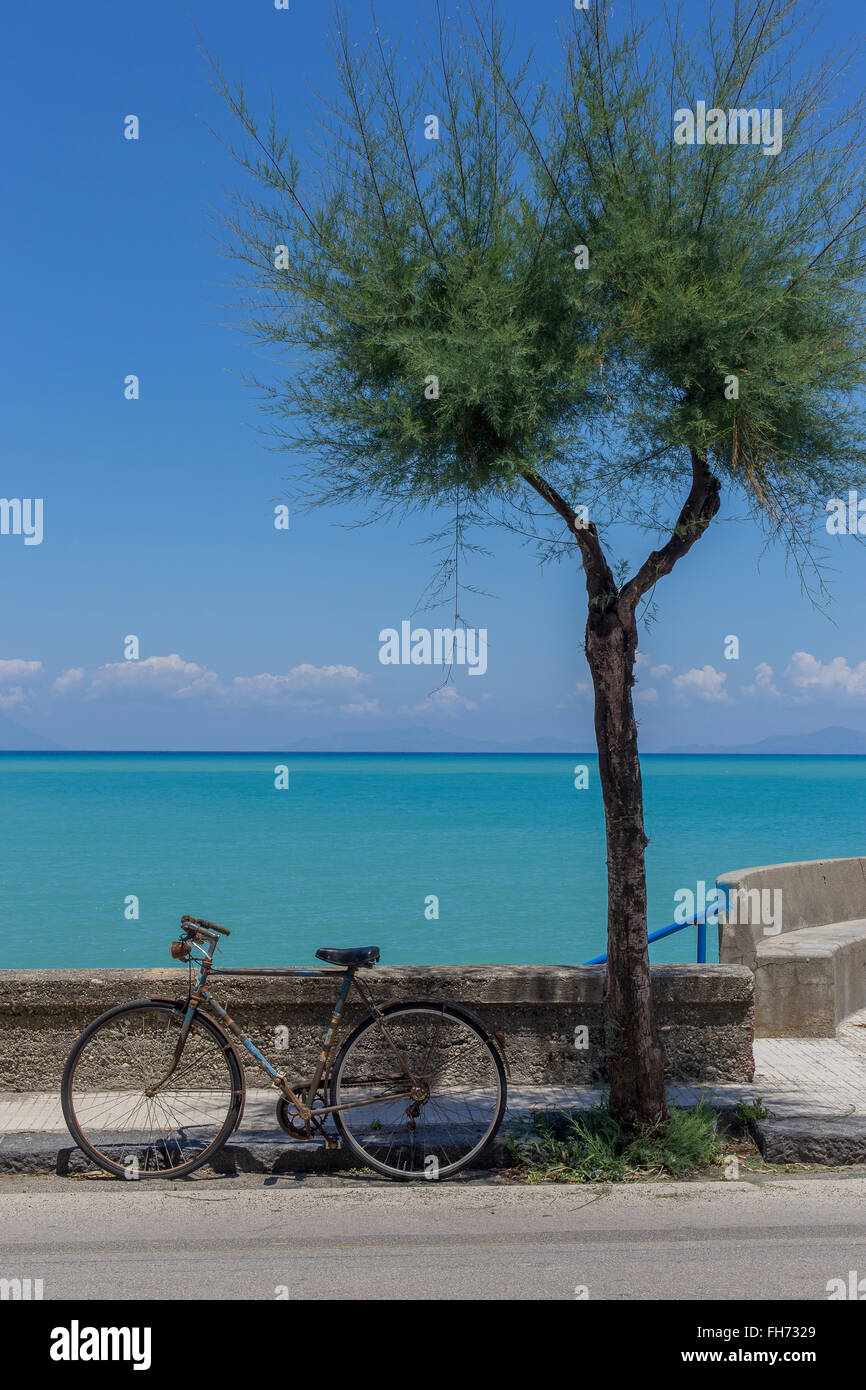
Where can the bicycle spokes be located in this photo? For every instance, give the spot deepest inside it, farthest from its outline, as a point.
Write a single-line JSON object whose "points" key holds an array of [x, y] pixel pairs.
{"points": [[435, 1117], [141, 1107]]}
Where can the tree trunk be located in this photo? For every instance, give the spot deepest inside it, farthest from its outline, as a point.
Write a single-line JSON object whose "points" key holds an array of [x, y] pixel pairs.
{"points": [[635, 1055]]}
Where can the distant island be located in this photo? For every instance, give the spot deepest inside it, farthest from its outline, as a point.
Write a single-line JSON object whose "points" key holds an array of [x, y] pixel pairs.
{"points": [[834, 740], [14, 738]]}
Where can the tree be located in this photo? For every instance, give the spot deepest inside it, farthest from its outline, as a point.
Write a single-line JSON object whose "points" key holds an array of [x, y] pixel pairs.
{"points": [[517, 299]]}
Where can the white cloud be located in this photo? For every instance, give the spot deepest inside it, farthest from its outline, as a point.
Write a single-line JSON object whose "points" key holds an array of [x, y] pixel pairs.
{"points": [[446, 700], [207, 683], [650, 694], [160, 675], [763, 684], [302, 684], [176, 679], [70, 680], [301, 679], [705, 683], [643, 659], [16, 670], [362, 707], [834, 677], [12, 672]]}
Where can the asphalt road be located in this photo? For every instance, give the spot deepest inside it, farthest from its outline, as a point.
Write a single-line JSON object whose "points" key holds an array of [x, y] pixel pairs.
{"points": [[315, 1237]]}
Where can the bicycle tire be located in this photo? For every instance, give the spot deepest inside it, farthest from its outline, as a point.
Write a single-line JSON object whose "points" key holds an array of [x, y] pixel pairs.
{"points": [[454, 1014], [209, 1029]]}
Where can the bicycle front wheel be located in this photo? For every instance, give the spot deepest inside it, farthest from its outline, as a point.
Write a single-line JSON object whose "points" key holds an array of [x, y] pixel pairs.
{"points": [[121, 1111], [421, 1093]]}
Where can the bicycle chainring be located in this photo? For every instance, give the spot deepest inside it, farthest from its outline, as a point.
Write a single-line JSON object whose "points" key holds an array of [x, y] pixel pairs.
{"points": [[290, 1121]]}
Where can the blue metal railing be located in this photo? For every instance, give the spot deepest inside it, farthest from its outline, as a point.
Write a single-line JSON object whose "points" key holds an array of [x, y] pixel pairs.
{"points": [[699, 920]]}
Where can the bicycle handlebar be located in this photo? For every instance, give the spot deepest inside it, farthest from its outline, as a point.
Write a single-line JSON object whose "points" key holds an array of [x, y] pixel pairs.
{"points": [[188, 922]]}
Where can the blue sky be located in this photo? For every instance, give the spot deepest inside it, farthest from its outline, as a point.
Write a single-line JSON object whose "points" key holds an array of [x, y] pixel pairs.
{"points": [[158, 512]]}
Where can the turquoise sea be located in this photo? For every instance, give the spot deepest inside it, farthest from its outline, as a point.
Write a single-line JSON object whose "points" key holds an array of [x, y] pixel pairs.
{"points": [[351, 852]]}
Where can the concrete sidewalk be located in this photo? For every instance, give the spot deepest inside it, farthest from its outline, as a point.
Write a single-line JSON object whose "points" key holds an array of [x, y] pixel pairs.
{"points": [[814, 1089]]}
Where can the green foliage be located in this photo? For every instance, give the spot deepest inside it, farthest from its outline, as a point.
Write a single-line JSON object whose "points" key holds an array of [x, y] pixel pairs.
{"points": [[752, 1110], [595, 1147], [412, 264], [716, 261], [410, 259]]}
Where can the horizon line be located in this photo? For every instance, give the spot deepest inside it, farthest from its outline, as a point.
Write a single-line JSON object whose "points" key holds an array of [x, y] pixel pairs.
{"points": [[387, 753]]}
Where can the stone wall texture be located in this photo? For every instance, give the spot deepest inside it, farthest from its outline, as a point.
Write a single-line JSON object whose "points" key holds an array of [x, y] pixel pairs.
{"points": [[705, 1015]]}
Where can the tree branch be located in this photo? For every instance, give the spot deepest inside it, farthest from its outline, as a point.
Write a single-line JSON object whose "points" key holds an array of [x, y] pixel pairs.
{"points": [[698, 511], [600, 583]]}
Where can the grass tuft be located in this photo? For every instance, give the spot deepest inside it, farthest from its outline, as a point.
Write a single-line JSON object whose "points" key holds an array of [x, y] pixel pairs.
{"points": [[593, 1146]]}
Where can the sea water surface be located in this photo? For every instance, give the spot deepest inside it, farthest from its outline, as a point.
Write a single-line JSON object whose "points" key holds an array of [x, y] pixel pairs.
{"points": [[363, 849]]}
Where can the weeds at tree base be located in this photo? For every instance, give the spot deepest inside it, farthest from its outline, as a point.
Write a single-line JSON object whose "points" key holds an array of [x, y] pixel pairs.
{"points": [[593, 1146], [752, 1111]]}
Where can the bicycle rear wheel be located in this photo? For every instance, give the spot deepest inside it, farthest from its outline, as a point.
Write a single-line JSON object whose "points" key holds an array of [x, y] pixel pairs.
{"points": [[118, 1058], [436, 1126]]}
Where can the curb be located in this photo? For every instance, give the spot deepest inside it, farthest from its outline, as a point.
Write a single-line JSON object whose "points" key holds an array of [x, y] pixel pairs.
{"points": [[837, 1142], [834, 1142], [52, 1152]]}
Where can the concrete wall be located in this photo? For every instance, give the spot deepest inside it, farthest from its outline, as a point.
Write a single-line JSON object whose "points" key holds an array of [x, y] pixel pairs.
{"points": [[802, 929], [705, 1015], [813, 893]]}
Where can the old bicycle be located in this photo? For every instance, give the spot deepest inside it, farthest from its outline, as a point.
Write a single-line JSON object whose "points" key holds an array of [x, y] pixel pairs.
{"points": [[417, 1089]]}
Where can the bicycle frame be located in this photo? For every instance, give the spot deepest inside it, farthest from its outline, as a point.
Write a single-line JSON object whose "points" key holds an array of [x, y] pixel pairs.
{"points": [[202, 996]]}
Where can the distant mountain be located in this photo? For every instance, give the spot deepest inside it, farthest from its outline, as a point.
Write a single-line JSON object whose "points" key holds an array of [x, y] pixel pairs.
{"points": [[14, 738], [834, 740], [420, 740]]}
